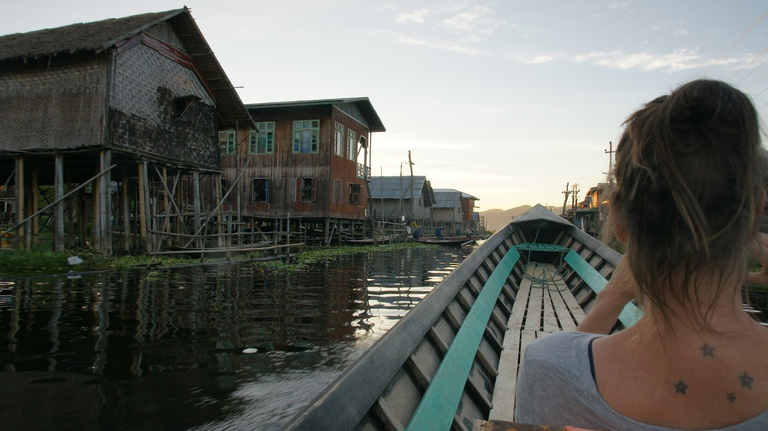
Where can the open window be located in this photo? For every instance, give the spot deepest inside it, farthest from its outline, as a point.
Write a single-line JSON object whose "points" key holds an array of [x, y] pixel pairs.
{"points": [[354, 194], [260, 190], [305, 189]]}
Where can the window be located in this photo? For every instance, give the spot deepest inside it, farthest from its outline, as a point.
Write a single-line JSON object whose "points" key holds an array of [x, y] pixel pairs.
{"points": [[351, 145], [354, 194], [306, 136], [336, 191], [263, 140], [338, 140], [260, 190], [227, 141], [305, 190]]}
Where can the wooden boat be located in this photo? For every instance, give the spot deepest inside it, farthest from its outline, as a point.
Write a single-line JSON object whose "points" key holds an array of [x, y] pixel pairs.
{"points": [[448, 240], [452, 360]]}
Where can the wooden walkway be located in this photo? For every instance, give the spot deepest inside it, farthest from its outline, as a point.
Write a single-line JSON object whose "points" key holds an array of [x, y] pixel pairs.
{"points": [[543, 305]]}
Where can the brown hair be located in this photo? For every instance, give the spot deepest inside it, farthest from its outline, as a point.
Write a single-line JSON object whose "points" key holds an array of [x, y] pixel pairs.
{"points": [[690, 173]]}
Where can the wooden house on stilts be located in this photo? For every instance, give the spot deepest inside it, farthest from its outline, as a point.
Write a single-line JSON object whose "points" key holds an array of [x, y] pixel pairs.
{"points": [[102, 122], [303, 172]]}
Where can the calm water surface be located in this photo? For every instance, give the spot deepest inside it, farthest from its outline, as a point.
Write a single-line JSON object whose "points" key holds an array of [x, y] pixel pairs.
{"points": [[164, 349]]}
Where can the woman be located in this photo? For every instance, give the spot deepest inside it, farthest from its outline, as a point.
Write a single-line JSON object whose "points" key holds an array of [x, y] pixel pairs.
{"points": [[689, 197]]}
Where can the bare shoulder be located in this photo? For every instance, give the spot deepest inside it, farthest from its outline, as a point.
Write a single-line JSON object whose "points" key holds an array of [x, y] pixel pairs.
{"points": [[700, 383]]}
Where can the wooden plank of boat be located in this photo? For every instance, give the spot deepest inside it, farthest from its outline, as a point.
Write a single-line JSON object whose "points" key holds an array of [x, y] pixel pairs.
{"points": [[386, 387]]}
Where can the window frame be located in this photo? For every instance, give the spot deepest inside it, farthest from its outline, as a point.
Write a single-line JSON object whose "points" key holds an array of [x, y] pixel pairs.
{"points": [[227, 144], [356, 201], [352, 145], [313, 129], [338, 139], [303, 195], [266, 128], [265, 187]]}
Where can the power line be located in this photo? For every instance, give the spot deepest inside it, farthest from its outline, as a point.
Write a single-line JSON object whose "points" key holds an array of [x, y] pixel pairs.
{"points": [[756, 82], [753, 71], [734, 45], [747, 65]]}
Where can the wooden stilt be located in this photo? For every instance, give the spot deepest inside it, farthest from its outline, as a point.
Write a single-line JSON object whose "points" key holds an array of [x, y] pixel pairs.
{"points": [[58, 185], [143, 207], [96, 214], [217, 188], [33, 198], [20, 241], [166, 208], [82, 218], [106, 204], [125, 212], [72, 214], [196, 204]]}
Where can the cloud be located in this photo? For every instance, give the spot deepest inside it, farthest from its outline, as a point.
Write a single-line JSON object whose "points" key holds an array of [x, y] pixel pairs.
{"points": [[442, 45], [616, 5], [417, 16], [455, 27], [655, 28], [535, 59], [475, 19], [675, 61], [681, 32]]}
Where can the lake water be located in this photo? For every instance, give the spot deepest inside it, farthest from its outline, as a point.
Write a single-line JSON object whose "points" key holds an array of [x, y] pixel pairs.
{"points": [[166, 349]]}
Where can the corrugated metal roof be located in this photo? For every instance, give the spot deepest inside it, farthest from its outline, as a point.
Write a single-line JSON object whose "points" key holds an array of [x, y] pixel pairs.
{"points": [[95, 37], [447, 198], [391, 187], [362, 103]]}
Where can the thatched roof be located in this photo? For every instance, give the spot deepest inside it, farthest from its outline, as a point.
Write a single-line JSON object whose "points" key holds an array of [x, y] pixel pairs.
{"points": [[91, 37], [95, 37]]}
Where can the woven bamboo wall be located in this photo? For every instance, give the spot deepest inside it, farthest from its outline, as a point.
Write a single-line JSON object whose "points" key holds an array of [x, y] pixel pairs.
{"points": [[56, 107]]}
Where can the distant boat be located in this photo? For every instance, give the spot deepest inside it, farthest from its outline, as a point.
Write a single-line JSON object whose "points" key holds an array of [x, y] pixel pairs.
{"points": [[450, 240]]}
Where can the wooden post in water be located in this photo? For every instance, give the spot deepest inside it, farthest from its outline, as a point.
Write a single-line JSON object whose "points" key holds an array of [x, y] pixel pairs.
{"points": [[143, 207], [217, 188], [196, 204], [34, 198], [20, 242], [125, 212], [58, 185], [95, 212], [105, 201]]}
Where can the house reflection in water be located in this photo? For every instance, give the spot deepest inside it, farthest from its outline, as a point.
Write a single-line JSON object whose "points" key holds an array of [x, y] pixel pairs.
{"points": [[164, 349]]}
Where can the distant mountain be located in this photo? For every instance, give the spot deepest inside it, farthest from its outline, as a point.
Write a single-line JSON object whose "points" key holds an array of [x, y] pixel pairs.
{"points": [[496, 219]]}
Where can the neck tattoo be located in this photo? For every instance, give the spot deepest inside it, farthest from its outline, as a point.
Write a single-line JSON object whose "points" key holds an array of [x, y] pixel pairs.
{"points": [[707, 351]]}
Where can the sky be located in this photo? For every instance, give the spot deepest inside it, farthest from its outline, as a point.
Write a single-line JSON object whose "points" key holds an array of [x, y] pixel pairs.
{"points": [[507, 100]]}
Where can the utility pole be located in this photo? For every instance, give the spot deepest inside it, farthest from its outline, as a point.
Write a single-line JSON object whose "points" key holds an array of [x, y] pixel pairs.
{"points": [[567, 193], [410, 163], [610, 153], [575, 196]]}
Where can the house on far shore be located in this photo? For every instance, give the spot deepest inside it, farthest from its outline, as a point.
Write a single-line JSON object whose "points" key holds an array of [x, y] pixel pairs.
{"points": [[303, 169], [397, 197], [592, 212], [455, 208]]}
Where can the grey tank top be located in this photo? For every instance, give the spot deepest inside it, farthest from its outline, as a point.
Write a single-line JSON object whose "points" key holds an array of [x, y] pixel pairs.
{"points": [[555, 387]]}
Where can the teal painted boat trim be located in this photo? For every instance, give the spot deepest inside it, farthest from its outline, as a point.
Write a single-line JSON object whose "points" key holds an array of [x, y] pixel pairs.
{"points": [[629, 315], [441, 400]]}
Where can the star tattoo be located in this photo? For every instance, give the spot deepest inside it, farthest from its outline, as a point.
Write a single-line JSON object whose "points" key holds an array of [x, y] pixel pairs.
{"points": [[707, 351], [731, 397], [746, 380], [680, 387]]}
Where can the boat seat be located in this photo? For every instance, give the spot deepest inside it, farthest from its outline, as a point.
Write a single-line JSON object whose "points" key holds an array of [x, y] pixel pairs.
{"points": [[543, 305]]}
